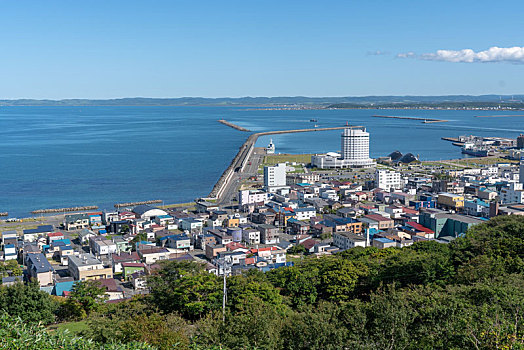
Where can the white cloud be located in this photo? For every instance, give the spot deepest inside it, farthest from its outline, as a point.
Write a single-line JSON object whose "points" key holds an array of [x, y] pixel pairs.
{"points": [[406, 55], [493, 54]]}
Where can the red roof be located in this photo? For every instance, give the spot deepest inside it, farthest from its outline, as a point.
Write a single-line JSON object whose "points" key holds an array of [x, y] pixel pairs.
{"points": [[262, 249], [309, 243], [55, 234], [234, 245], [250, 261], [409, 211], [376, 217], [419, 227], [131, 264]]}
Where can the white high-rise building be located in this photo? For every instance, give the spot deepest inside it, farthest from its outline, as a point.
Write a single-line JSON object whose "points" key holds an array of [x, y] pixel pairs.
{"points": [[387, 179], [354, 151], [521, 170], [275, 177]]}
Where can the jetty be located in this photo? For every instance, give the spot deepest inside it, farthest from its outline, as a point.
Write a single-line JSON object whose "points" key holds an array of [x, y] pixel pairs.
{"points": [[134, 204], [234, 126], [424, 120], [241, 159], [63, 210]]}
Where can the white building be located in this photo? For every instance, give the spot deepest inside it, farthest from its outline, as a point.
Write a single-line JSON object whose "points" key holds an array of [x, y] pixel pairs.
{"points": [[347, 240], [354, 151], [275, 177], [251, 236], [305, 213], [512, 194], [387, 179], [247, 197]]}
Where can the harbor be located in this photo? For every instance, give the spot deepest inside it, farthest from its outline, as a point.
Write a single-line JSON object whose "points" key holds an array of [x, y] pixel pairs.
{"points": [[239, 162]]}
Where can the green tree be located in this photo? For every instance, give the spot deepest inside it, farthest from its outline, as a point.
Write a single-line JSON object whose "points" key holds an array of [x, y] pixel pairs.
{"points": [[185, 287], [85, 298], [298, 249], [28, 302]]}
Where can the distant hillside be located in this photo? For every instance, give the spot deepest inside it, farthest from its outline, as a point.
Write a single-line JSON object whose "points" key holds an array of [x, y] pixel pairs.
{"points": [[335, 102]]}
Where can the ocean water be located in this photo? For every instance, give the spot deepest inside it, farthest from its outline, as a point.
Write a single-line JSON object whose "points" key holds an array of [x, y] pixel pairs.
{"points": [[53, 157]]}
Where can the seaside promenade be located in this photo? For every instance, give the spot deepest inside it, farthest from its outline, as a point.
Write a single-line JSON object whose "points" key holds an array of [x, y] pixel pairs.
{"points": [[227, 184]]}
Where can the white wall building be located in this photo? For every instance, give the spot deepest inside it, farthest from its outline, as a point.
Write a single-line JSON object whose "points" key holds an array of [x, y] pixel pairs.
{"points": [[354, 151], [512, 194], [247, 197], [346, 240], [388, 179], [275, 177], [305, 213]]}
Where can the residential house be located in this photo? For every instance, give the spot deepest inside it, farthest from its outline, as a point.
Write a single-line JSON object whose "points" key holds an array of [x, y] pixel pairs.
{"points": [[76, 221], [40, 269], [269, 234], [383, 242], [31, 235], [113, 291], [88, 267], [251, 236], [120, 258]]}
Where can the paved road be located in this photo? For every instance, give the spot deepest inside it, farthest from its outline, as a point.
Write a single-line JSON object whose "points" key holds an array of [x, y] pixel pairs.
{"points": [[230, 193]]}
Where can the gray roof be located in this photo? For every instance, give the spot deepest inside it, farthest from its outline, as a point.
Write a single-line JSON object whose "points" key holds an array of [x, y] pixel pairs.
{"points": [[351, 236], [84, 260], [142, 208], [38, 263]]}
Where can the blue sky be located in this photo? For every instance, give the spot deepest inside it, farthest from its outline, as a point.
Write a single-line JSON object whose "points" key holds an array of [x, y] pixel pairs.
{"points": [[108, 49]]}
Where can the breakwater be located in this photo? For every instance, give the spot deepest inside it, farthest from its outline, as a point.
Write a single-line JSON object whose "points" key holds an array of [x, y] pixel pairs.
{"points": [[424, 120], [234, 126], [133, 204], [4, 213], [500, 116], [239, 162], [62, 210]]}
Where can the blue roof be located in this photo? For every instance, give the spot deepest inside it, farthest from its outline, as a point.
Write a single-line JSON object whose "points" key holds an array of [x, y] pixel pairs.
{"points": [[61, 287], [9, 246], [384, 240], [39, 229], [303, 184]]}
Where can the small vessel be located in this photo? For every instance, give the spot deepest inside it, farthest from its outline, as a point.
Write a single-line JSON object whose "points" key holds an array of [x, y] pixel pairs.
{"points": [[473, 150], [270, 149], [313, 120], [316, 126]]}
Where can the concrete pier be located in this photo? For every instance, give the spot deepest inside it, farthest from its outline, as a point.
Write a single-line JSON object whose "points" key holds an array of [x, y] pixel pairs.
{"points": [[234, 126], [424, 120]]}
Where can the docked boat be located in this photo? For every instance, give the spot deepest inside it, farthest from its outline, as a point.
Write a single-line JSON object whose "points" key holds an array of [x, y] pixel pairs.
{"points": [[473, 150]]}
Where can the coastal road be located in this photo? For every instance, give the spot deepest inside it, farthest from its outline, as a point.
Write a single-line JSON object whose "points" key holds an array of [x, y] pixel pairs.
{"points": [[231, 190]]}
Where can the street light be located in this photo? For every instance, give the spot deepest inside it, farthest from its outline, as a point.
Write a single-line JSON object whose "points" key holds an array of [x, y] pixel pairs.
{"points": [[226, 264]]}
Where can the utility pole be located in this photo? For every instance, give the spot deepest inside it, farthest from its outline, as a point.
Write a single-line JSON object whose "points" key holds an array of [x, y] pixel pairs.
{"points": [[226, 265]]}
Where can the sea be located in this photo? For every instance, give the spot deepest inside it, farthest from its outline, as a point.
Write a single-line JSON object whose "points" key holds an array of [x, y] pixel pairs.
{"points": [[54, 157]]}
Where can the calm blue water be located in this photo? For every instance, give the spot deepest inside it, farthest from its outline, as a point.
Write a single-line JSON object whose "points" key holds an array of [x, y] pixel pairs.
{"points": [[66, 156]]}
